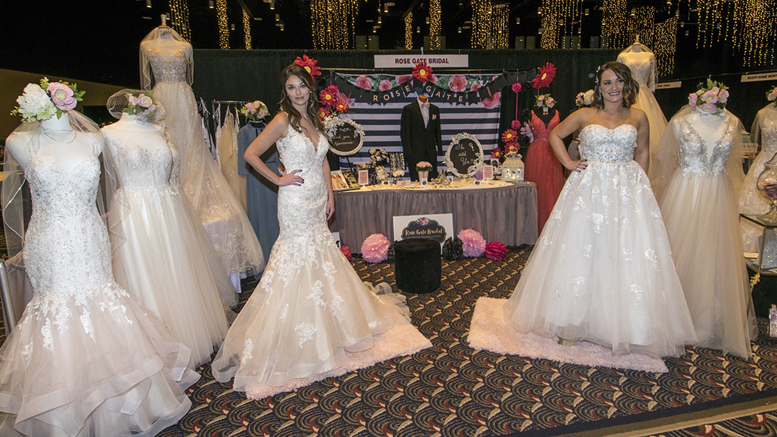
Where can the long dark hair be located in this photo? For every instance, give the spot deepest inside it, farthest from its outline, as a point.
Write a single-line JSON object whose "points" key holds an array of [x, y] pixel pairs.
{"points": [[630, 86], [313, 104]]}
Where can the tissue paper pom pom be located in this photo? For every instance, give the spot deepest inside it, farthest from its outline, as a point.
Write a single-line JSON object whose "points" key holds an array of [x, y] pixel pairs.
{"points": [[452, 249], [375, 248], [496, 251], [473, 242], [346, 251]]}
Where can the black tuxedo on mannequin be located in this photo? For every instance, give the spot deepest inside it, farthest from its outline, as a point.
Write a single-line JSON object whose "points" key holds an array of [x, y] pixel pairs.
{"points": [[419, 142]]}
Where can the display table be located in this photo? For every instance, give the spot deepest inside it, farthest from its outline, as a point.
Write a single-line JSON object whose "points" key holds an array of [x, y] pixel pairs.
{"points": [[500, 211]]}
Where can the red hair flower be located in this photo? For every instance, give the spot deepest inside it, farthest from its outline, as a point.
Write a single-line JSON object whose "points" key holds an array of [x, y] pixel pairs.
{"points": [[328, 95], [308, 64], [422, 72], [547, 73]]}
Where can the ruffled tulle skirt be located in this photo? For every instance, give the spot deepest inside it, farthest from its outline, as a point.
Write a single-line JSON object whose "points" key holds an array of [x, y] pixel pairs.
{"points": [[602, 269], [166, 261], [701, 219], [91, 363]]}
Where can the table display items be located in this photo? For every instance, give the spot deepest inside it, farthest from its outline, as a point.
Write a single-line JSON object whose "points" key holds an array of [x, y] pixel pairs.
{"points": [[513, 168], [85, 358], [464, 155], [423, 168]]}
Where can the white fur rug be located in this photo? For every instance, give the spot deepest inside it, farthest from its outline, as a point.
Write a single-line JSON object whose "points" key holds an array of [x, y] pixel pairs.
{"points": [[490, 331]]}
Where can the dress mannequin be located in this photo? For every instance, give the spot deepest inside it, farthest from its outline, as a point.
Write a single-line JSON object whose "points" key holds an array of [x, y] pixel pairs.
{"points": [[53, 133], [764, 131], [542, 166], [421, 138]]}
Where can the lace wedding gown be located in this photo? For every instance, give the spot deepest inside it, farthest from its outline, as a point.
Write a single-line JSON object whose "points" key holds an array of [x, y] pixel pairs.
{"points": [[700, 211], [85, 359], [543, 168], [751, 202], [602, 269], [161, 254], [643, 69], [203, 184], [310, 313]]}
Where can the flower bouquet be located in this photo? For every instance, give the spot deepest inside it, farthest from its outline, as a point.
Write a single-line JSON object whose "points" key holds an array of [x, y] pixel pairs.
{"points": [[255, 111], [423, 169], [41, 102]]}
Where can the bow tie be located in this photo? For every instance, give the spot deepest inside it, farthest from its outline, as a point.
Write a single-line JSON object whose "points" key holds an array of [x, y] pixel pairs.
{"points": [[424, 105]]}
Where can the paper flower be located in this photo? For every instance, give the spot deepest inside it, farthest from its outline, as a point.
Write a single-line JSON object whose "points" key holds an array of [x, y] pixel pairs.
{"points": [[375, 248], [422, 72], [328, 95], [308, 64], [452, 249], [545, 77], [516, 124], [346, 251], [509, 136], [473, 243], [517, 87], [496, 251]]}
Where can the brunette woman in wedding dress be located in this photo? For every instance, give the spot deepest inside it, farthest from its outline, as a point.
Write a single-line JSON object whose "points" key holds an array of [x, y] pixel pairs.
{"points": [[602, 269], [166, 63], [85, 359], [311, 316]]}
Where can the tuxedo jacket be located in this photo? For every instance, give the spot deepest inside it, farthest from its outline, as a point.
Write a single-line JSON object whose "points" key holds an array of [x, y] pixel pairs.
{"points": [[417, 138]]}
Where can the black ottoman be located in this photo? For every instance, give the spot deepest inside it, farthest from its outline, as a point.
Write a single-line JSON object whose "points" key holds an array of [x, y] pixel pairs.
{"points": [[417, 266]]}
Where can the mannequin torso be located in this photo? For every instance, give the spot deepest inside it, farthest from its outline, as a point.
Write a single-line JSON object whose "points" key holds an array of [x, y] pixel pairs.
{"points": [[710, 127], [56, 139], [146, 135]]}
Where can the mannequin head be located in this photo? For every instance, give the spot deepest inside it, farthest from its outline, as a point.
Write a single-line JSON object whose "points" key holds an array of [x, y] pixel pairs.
{"points": [[622, 72], [294, 80]]}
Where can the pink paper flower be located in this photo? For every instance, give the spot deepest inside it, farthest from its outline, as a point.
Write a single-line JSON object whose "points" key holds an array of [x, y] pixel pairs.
{"points": [[346, 251], [516, 124], [496, 251], [375, 248], [517, 87], [458, 83], [473, 243], [384, 85], [364, 82]]}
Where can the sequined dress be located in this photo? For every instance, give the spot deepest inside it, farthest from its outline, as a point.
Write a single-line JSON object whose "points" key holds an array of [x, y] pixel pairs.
{"points": [[602, 269], [311, 310], [701, 215], [85, 359], [543, 168]]}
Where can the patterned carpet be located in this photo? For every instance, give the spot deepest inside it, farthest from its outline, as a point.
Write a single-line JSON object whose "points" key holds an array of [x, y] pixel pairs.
{"points": [[453, 390]]}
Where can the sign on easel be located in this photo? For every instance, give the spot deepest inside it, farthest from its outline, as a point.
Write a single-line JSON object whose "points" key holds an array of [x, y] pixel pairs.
{"points": [[435, 227]]}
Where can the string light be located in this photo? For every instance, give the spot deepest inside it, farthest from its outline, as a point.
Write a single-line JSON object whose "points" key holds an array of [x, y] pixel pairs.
{"points": [[409, 31], [642, 23], [481, 25], [334, 23], [179, 15], [558, 19], [434, 24], [221, 18], [499, 23], [614, 23], [665, 45], [757, 20], [247, 29]]}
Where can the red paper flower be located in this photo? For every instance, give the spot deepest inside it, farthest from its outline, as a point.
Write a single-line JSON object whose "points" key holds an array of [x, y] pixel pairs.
{"points": [[328, 96], [517, 87], [422, 72], [308, 64], [346, 251], [496, 251], [547, 73], [341, 106], [509, 136]]}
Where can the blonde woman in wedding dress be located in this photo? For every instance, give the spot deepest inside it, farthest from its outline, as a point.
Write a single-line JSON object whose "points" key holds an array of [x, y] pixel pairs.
{"points": [[311, 316]]}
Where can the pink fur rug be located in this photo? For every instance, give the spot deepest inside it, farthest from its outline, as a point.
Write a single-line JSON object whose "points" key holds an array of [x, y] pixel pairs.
{"points": [[490, 331], [402, 339]]}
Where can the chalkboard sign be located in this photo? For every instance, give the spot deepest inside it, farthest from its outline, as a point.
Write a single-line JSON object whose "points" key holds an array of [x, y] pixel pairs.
{"points": [[346, 136], [464, 156]]}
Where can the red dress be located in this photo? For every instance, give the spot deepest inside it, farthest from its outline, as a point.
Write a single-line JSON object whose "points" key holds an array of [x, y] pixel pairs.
{"points": [[543, 168]]}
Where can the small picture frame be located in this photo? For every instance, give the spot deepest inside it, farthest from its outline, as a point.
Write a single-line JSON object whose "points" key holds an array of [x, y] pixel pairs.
{"points": [[364, 177], [488, 172]]}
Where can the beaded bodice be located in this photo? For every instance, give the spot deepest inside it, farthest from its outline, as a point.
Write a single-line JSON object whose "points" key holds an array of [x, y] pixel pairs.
{"points": [[698, 157], [768, 122], [538, 129], [599, 143], [139, 168], [169, 67]]}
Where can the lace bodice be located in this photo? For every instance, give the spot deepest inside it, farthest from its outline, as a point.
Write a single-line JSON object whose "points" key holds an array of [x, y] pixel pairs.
{"points": [[768, 126], [599, 143], [642, 66], [697, 157], [139, 168], [538, 129], [169, 67]]}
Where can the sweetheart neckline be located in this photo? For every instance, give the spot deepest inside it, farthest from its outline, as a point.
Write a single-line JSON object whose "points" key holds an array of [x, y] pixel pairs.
{"points": [[61, 168], [609, 128]]}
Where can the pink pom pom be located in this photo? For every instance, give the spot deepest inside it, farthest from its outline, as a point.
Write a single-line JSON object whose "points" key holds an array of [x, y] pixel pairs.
{"points": [[375, 248], [346, 251], [473, 242], [496, 251]]}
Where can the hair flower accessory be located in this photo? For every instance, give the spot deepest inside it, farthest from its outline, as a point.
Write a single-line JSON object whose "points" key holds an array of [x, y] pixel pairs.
{"points": [[772, 95], [141, 104], [375, 248], [255, 110], [496, 251], [423, 166], [473, 243], [41, 102], [544, 101], [709, 99], [545, 76], [308, 64], [584, 99], [422, 72]]}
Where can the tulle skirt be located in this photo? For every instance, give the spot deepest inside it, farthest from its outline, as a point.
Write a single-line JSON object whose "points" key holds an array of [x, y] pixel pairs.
{"points": [[701, 219], [602, 269], [646, 101], [168, 263], [544, 169], [751, 202], [91, 365], [205, 187]]}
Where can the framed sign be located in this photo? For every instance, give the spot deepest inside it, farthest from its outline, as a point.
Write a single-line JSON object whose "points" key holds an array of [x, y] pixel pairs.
{"points": [[339, 182], [346, 136], [464, 156], [435, 227]]}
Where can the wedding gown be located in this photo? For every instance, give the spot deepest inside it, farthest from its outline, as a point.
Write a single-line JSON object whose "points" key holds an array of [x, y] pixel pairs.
{"points": [[311, 313], [543, 168], [161, 254], [85, 359], [602, 269], [700, 211], [227, 153], [751, 202], [203, 184]]}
